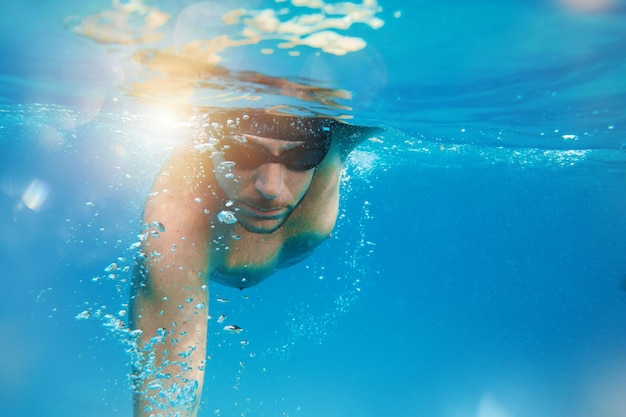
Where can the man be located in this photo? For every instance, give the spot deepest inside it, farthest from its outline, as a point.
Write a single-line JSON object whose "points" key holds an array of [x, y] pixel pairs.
{"points": [[259, 194]]}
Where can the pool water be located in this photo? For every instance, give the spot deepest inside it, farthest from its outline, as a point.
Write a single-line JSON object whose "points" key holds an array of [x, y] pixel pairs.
{"points": [[478, 265]]}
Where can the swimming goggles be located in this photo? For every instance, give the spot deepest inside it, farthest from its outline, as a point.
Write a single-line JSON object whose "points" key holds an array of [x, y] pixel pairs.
{"points": [[313, 134]]}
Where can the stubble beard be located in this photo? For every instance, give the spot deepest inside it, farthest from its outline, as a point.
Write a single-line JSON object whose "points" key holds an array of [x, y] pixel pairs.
{"points": [[257, 225]]}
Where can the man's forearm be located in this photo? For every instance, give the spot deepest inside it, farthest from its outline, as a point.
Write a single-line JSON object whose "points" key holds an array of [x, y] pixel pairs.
{"points": [[168, 368]]}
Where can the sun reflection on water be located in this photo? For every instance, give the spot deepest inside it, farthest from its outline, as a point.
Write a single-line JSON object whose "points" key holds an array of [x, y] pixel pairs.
{"points": [[191, 62]]}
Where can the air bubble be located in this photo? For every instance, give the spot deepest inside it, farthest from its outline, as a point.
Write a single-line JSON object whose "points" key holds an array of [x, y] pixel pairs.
{"points": [[111, 267], [231, 328], [152, 385], [160, 227], [83, 315], [227, 217]]}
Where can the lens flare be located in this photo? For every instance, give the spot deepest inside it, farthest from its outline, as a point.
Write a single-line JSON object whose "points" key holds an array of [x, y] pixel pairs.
{"points": [[36, 194]]}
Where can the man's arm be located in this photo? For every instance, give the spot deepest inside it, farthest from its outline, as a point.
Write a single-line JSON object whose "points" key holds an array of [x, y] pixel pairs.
{"points": [[170, 291]]}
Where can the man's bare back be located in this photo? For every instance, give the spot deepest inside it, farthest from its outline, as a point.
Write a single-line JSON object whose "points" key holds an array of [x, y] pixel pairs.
{"points": [[283, 191]]}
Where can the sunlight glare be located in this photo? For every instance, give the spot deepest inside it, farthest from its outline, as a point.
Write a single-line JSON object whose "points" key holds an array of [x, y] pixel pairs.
{"points": [[586, 6], [605, 386], [164, 128], [489, 407]]}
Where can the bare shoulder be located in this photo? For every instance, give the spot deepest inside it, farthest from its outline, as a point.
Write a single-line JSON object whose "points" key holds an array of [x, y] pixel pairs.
{"points": [[317, 212], [185, 174], [181, 197]]}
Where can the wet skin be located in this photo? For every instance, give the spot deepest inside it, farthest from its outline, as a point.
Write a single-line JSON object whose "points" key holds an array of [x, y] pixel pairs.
{"points": [[282, 216]]}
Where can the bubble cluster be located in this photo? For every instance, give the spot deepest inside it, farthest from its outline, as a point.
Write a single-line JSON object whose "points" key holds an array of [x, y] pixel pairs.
{"points": [[227, 217]]}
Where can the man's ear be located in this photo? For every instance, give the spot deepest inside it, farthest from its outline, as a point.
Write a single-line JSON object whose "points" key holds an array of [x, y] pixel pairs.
{"points": [[349, 137]]}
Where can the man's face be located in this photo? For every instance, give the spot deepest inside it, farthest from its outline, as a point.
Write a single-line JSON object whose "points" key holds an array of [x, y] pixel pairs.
{"points": [[265, 193]]}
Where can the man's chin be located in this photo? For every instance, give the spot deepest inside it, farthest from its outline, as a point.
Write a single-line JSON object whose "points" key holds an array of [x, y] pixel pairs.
{"points": [[261, 226]]}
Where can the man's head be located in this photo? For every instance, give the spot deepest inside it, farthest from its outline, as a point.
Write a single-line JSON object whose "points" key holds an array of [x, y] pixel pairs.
{"points": [[265, 164]]}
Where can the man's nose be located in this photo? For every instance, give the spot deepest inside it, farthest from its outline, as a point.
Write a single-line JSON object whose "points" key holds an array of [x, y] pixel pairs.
{"points": [[270, 180]]}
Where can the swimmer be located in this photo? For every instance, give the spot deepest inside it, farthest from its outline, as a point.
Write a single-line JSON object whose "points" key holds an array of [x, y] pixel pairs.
{"points": [[262, 198]]}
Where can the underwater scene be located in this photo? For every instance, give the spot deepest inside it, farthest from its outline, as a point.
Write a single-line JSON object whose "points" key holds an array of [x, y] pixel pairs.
{"points": [[313, 208]]}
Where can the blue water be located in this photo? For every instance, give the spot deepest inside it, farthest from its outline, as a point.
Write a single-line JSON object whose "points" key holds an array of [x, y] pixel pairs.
{"points": [[478, 268]]}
